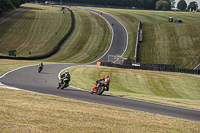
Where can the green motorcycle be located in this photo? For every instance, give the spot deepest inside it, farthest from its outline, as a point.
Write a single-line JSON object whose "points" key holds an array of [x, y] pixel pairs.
{"points": [[63, 83]]}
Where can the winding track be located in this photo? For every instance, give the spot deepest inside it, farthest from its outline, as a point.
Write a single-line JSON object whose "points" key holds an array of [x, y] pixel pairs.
{"points": [[29, 79]]}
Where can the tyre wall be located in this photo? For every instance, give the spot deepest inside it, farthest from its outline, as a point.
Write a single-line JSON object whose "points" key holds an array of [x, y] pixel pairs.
{"points": [[153, 67]]}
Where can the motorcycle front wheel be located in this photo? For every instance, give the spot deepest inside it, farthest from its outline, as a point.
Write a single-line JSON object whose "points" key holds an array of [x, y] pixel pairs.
{"points": [[100, 90], [63, 85]]}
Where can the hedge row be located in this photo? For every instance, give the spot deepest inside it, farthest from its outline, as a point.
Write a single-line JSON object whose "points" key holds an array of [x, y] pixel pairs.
{"points": [[154, 67], [53, 51]]}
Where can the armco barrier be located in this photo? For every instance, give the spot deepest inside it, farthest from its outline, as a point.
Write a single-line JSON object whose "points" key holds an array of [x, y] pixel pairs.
{"points": [[138, 40], [53, 51], [153, 67]]}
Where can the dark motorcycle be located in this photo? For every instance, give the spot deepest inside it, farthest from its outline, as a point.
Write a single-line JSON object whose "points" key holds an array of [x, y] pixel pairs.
{"points": [[63, 83], [40, 69], [98, 88]]}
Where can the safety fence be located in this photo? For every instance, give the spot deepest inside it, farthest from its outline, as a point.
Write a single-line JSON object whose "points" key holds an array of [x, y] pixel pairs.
{"points": [[138, 41], [53, 51], [153, 67]]}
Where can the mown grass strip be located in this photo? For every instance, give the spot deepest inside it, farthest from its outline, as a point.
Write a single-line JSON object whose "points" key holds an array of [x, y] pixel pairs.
{"points": [[32, 30]]}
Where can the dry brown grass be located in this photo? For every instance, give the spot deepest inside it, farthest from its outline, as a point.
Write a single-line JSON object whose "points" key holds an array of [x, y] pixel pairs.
{"points": [[22, 111]]}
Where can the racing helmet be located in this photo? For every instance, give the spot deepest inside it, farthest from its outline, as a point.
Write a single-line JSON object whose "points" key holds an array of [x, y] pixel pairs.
{"points": [[106, 76], [66, 72]]}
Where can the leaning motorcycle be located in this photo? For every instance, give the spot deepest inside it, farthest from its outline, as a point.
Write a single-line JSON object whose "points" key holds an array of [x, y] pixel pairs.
{"points": [[40, 69], [98, 88], [63, 83]]}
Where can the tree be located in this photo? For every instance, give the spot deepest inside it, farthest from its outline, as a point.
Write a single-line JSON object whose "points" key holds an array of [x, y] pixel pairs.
{"points": [[172, 3], [162, 5], [192, 6], [5, 5], [147, 4], [10, 4], [182, 5]]}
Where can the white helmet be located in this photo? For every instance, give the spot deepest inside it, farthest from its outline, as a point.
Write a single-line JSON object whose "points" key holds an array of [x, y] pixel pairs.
{"points": [[67, 72]]}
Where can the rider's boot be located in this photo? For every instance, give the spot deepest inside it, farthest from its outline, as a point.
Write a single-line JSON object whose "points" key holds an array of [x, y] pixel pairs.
{"points": [[95, 90], [92, 91], [58, 86], [106, 88]]}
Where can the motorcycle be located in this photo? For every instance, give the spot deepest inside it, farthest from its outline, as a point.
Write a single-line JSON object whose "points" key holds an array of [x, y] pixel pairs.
{"points": [[40, 69], [63, 83], [98, 88]]}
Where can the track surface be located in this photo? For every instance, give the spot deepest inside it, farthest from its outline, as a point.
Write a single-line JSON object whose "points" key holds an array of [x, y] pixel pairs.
{"points": [[46, 82]]}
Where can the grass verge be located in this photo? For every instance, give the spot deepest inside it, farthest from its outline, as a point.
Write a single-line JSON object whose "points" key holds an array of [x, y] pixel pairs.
{"points": [[22, 111]]}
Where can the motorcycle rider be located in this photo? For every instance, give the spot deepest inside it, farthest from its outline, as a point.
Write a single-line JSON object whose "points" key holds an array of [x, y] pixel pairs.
{"points": [[106, 82], [65, 76], [41, 65]]}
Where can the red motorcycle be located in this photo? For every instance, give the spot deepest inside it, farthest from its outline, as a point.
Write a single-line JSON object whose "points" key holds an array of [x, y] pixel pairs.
{"points": [[98, 88]]}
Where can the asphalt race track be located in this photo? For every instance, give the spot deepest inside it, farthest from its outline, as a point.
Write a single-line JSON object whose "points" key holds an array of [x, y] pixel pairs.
{"points": [[29, 79]]}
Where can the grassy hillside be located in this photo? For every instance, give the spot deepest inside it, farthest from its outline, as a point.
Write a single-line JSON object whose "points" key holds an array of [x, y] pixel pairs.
{"points": [[34, 30], [89, 41], [164, 42]]}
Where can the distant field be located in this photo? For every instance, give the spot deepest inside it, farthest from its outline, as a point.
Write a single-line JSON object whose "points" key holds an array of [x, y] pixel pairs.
{"points": [[90, 39], [34, 30], [163, 42]]}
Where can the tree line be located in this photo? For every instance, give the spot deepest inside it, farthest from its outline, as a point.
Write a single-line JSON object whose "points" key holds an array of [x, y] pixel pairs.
{"points": [[144, 4], [10, 4], [182, 5]]}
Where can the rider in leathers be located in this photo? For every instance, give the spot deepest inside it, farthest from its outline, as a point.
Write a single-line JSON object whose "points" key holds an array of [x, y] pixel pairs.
{"points": [[41, 65], [105, 83], [65, 76]]}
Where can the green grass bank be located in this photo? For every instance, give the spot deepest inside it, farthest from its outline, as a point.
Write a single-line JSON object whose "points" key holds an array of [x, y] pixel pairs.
{"points": [[163, 42], [169, 88], [34, 30]]}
